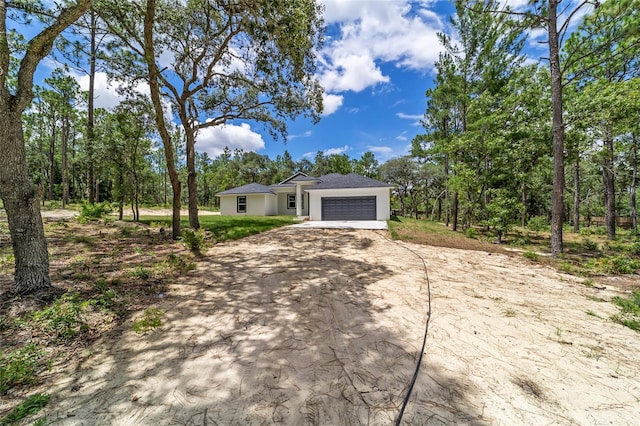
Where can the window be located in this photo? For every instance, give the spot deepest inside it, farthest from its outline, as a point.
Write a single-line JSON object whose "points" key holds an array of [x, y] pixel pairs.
{"points": [[242, 204], [291, 201]]}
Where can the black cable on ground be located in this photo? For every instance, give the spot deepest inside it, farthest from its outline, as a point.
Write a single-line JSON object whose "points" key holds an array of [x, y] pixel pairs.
{"points": [[424, 339]]}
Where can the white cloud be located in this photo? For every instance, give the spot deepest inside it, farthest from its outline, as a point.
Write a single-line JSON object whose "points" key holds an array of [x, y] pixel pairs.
{"points": [[338, 150], [373, 32], [402, 136], [306, 134], [410, 116], [213, 140], [384, 150], [331, 103]]}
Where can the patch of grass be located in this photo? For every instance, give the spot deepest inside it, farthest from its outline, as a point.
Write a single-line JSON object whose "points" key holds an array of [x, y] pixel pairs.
{"points": [[592, 314], [19, 366], [436, 234], [629, 315], [30, 406], [63, 317], [151, 319], [588, 283], [531, 255], [140, 272], [510, 313], [225, 228], [179, 263]]}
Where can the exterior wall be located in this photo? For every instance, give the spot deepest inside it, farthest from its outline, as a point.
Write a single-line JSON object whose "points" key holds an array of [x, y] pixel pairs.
{"points": [[257, 205], [282, 203], [383, 202]]}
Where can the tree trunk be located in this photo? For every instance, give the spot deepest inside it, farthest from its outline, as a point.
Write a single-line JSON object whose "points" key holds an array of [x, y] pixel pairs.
{"points": [[91, 176], [557, 198], [454, 220], [608, 177], [65, 161], [576, 193], [523, 217], [634, 184], [192, 183], [52, 150], [154, 88], [23, 210]]}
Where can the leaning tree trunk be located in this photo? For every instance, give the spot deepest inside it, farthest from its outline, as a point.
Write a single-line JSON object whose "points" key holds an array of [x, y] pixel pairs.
{"points": [[23, 209], [154, 88]]}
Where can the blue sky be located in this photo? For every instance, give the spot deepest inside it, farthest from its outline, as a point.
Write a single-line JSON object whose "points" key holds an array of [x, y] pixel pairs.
{"points": [[375, 67]]}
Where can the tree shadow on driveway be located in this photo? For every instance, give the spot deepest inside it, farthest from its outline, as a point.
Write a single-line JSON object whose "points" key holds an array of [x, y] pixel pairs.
{"points": [[290, 326]]}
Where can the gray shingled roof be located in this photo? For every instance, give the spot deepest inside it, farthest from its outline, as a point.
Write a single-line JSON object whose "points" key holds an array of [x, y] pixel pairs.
{"points": [[352, 180], [252, 188]]}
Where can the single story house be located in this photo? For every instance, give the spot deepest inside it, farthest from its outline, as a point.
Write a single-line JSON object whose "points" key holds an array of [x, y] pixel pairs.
{"points": [[329, 197]]}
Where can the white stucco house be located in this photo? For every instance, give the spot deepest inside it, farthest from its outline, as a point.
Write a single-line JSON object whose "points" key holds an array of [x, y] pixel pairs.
{"points": [[329, 197]]}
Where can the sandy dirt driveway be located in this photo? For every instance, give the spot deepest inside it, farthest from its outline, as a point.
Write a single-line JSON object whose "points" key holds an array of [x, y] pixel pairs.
{"points": [[311, 326]]}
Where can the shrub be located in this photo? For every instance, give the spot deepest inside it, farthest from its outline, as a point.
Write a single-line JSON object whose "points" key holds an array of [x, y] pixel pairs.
{"points": [[94, 211], [18, 367], [194, 240], [537, 224], [617, 265], [589, 244], [531, 255], [471, 232]]}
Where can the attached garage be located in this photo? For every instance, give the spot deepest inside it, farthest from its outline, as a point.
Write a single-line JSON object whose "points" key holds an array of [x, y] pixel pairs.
{"points": [[349, 208]]}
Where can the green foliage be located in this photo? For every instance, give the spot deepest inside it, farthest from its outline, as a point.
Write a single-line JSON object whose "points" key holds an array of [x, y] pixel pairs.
{"points": [[18, 367], [589, 244], [151, 320], [179, 263], [538, 224], [63, 317], [531, 255], [471, 232], [94, 211], [616, 265], [194, 240], [140, 272], [30, 406], [629, 311]]}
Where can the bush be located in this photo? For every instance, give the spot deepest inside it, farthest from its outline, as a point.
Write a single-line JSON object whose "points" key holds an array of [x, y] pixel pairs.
{"points": [[531, 255], [18, 367], [471, 232], [617, 265], [589, 244], [194, 240], [537, 224], [94, 211]]}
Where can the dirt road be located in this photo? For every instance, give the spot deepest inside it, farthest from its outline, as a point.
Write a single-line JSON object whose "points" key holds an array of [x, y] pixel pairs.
{"points": [[308, 326]]}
